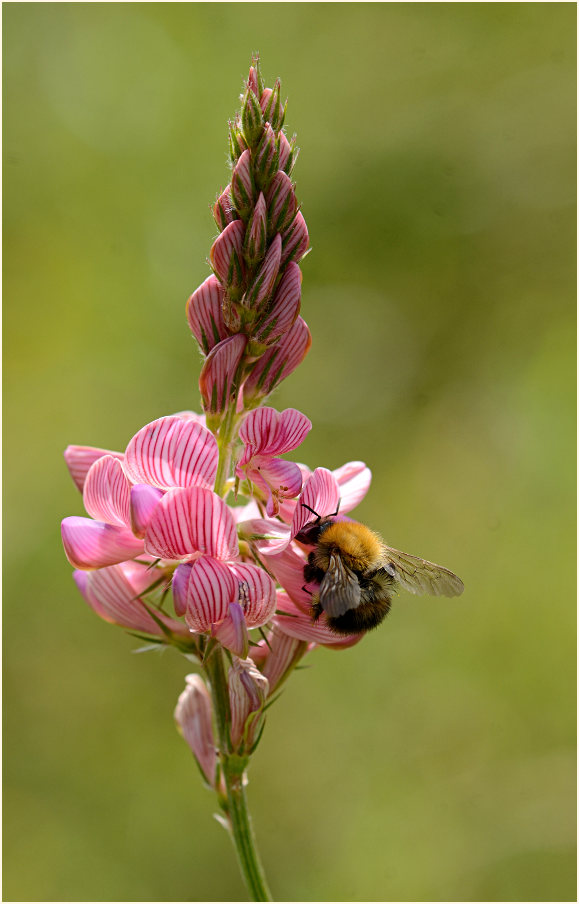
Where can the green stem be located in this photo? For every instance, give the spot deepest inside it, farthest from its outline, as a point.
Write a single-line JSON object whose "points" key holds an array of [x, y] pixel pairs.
{"points": [[233, 770]]}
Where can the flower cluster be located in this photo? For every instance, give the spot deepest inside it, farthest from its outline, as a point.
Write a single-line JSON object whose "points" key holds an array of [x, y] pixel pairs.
{"points": [[245, 316], [190, 539]]}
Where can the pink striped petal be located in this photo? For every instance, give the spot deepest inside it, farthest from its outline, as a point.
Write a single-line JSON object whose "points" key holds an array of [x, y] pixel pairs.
{"points": [[278, 362], [321, 493], [268, 432], [93, 544], [245, 512], [288, 569], [191, 416], [284, 653], [80, 458], [354, 480], [112, 596], [281, 479], [179, 587], [205, 316], [191, 520], [172, 452], [267, 535], [232, 631], [226, 254], [219, 375], [193, 715], [144, 500], [210, 589], [300, 626], [106, 492], [256, 593], [243, 185], [288, 506], [285, 307]]}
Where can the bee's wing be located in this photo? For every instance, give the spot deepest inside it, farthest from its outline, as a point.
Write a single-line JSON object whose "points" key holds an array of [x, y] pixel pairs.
{"points": [[340, 589], [419, 575]]}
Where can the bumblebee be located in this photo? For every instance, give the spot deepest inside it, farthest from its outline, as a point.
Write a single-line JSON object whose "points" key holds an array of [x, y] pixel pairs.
{"points": [[358, 574]]}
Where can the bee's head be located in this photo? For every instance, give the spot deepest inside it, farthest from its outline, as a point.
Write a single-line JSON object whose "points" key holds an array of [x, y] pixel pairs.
{"points": [[310, 533]]}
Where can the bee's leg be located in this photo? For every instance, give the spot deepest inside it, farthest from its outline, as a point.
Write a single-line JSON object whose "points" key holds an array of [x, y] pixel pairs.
{"points": [[312, 573], [316, 611], [305, 590]]}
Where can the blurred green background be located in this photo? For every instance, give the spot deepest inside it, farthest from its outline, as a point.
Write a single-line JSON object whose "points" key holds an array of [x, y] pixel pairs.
{"points": [[435, 760]]}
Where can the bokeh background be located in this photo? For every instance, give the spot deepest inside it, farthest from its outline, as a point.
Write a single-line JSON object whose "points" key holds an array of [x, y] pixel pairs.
{"points": [[435, 760]]}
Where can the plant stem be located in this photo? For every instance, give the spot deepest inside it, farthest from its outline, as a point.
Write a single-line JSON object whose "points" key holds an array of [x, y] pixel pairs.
{"points": [[233, 769]]}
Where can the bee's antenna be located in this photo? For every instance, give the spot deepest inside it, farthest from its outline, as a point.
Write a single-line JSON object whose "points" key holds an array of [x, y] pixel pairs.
{"points": [[303, 504]]}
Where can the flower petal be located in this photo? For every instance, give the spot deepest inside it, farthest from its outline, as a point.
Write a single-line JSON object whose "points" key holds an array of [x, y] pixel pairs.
{"points": [[79, 459], [171, 452], [205, 316], [297, 624], [93, 544], [283, 653], [219, 373], [288, 569], [354, 480], [143, 502], [321, 494], [193, 715], [232, 631], [112, 596], [106, 492], [191, 520], [266, 431], [210, 589], [267, 535], [281, 479], [256, 593]]}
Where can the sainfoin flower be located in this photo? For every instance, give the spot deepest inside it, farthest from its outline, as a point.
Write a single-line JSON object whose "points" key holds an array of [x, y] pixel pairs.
{"points": [[196, 535]]}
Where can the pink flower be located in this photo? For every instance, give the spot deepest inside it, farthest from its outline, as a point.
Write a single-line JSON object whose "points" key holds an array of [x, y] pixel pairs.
{"points": [[266, 434], [121, 492], [194, 718], [220, 373], [117, 595], [196, 525]]}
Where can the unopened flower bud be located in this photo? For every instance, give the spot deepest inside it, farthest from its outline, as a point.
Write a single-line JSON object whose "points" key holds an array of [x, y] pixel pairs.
{"points": [[252, 81], [219, 374], [259, 292], [266, 158], [295, 240], [193, 715], [277, 363], [242, 185], [256, 233], [204, 314], [226, 258], [271, 105], [251, 118], [288, 153], [231, 314], [285, 307], [281, 203], [223, 210], [247, 695], [237, 143]]}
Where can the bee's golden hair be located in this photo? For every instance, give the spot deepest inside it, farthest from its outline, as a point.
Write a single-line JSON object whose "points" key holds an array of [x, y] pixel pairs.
{"points": [[359, 546]]}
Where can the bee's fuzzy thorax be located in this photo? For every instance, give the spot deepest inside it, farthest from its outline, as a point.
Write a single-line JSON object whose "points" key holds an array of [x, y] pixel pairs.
{"points": [[359, 546]]}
